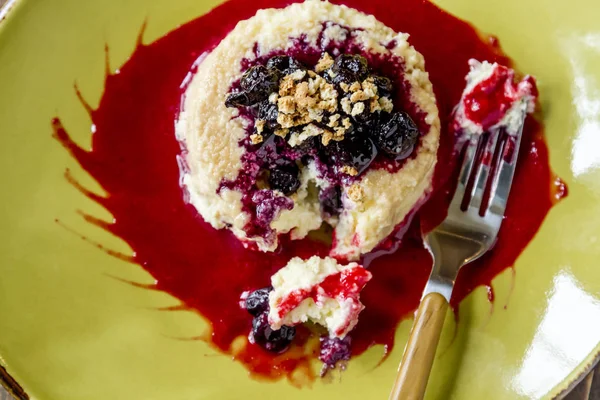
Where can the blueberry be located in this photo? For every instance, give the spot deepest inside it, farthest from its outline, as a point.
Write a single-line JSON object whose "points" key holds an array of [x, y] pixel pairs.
{"points": [[259, 78], [334, 350], [268, 112], [397, 136], [368, 121], [285, 179], [285, 64], [384, 85], [348, 68], [258, 301], [260, 323], [356, 150], [238, 99], [257, 84], [275, 341], [279, 62], [331, 201], [279, 340]]}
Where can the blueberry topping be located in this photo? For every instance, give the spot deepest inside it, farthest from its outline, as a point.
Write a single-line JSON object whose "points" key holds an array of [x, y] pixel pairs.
{"points": [[285, 64], [269, 152], [334, 350], [367, 121], [314, 121], [397, 136], [258, 301], [275, 341], [356, 150], [268, 112], [384, 85], [260, 323], [257, 84], [260, 79], [285, 179], [237, 99], [348, 68], [279, 62]]}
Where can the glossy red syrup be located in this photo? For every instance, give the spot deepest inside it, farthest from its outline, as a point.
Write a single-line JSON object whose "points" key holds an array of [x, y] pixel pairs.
{"points": [[133, 157], [490, 99]]}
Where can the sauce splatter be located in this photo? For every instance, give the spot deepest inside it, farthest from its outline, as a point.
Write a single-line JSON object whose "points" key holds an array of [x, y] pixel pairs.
{"points": [[133, 158]]}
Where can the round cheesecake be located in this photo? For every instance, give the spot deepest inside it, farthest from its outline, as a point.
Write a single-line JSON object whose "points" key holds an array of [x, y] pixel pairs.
{"points": [[315, 113]]}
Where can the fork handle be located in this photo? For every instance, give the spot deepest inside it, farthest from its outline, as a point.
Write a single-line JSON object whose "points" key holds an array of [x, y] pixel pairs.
{"points": [[417, 360]]}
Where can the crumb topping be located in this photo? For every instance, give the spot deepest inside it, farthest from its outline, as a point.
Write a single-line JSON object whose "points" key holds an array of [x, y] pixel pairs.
{"points": [[337, 114], [255, 138], [310, 105], [349, 170], [355, 192]]}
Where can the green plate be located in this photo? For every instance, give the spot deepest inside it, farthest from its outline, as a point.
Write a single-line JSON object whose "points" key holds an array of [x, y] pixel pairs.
{"points": [[69, 330]]}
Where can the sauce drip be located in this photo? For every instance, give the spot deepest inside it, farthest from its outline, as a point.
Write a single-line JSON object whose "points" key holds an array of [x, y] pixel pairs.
{"points": [[133, 158]]}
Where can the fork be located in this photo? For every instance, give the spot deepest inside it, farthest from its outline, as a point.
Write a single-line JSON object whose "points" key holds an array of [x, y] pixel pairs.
{"points": [[469, 230]]}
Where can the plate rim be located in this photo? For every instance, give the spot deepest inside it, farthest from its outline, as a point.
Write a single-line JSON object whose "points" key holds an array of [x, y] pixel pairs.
{"points": [[12, 386]]}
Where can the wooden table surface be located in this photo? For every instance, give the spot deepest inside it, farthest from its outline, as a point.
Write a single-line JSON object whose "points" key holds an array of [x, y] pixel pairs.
{"points": [[588, 389]]}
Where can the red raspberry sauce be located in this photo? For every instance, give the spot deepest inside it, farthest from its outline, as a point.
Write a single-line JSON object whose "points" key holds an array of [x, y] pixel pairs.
{"points": [[133, 157]]}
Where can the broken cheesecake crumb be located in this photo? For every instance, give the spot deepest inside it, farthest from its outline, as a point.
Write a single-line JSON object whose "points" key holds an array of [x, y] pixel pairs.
{"points": [[355, 192], [349, 170], [256, 138]]}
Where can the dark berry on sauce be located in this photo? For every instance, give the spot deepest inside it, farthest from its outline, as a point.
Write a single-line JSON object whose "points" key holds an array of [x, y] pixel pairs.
{"points": [[356, 150], [278, 62], [268, 112], [384, 85], [259, 324], [285, 64], [307, 148], [237, 99], [275, 341], [397, 136], [258, 301], [285, 179], [367, 121], [348, 68], [257, 84], [334, 350], [260, 78]]}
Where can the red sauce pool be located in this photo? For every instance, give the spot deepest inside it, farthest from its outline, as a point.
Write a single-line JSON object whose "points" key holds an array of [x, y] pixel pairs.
{"points": [[133, 157]]}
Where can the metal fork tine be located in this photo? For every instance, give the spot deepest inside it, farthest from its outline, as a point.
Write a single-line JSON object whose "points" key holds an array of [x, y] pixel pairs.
{"points": [[469, 150], [484, 172], [504, 176]]}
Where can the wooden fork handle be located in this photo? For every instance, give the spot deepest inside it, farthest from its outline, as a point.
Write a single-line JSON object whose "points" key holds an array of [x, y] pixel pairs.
{"points": [[417, 360]]}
